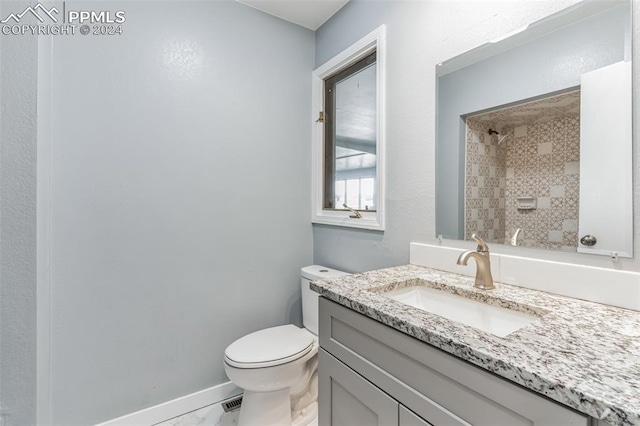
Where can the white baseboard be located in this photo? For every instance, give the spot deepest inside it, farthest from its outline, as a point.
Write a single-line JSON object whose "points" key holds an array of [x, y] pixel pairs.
{"points": [[177, 407]]}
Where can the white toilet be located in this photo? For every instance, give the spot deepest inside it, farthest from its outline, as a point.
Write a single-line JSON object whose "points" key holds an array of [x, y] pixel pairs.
{"points": [[277, 367]]}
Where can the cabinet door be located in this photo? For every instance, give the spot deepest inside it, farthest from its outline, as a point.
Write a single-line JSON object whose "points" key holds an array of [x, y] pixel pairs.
{"points": [[347, 399], [407, 418]]}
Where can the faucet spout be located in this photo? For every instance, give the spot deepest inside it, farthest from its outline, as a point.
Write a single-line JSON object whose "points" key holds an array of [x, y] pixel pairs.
{"points": [[484, 279]]}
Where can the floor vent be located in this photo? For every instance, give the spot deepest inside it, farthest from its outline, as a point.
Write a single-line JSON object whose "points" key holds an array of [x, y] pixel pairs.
{"points": [[232, 404]]}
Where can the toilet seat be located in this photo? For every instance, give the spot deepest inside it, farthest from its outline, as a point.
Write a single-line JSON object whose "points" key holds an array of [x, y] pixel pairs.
{"points": [[269, 347]]}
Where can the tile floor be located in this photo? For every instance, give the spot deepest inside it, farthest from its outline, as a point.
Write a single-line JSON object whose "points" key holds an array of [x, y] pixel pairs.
{"points": [[211, 415]]}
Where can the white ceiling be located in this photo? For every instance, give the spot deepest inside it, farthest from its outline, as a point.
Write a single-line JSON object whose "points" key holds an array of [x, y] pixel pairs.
{"points": [[533, 112], [307, 13]]}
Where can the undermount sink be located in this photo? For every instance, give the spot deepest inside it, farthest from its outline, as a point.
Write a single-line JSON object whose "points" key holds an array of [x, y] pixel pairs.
{"points": [[491, 319]]}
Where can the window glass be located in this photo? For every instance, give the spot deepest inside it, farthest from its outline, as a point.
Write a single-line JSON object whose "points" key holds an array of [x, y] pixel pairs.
{"points": [[340, 192], [350, 137]]}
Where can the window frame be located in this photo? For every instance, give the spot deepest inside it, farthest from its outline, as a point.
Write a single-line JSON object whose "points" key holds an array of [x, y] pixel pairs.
{"points": [[372, 220], [330, 141]]}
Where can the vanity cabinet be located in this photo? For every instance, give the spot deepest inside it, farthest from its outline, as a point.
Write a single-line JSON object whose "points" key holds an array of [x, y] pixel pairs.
{"points": [[348, 399], [371, 374]]}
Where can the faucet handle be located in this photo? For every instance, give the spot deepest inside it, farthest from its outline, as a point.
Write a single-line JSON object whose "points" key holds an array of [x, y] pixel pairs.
{"points": [[482, 246]]}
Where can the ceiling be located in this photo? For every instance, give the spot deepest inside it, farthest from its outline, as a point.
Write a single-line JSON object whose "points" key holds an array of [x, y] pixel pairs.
{"points": [[530, 113], [307, 13]]}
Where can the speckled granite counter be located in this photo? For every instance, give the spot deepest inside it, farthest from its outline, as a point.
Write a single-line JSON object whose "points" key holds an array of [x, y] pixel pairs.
{"points": [[582, 354]]}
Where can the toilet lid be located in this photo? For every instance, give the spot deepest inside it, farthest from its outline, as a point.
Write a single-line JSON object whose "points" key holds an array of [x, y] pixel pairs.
{"points": [[269, 347]]}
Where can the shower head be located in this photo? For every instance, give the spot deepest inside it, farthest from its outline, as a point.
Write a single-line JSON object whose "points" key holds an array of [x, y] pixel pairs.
{"points": [[501, 136]]}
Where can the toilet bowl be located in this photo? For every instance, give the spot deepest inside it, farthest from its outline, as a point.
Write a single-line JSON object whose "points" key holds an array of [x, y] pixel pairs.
{"points": [[277, 366]]}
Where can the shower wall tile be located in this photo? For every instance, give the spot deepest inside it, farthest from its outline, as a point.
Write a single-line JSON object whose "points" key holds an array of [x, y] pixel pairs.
{"points": [[540, 157], [485, 184], [543, 161]]}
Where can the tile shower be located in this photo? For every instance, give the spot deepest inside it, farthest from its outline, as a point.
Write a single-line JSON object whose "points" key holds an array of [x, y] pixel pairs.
{"points": [[524, 154]]}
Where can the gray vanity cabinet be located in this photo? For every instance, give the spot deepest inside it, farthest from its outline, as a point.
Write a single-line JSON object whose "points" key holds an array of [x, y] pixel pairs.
{"points": [[407, 418], [348, 399], [367, 367]]}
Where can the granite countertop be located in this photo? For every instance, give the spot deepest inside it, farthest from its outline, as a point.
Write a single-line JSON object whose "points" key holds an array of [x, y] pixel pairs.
{"points": [[582, 354]]}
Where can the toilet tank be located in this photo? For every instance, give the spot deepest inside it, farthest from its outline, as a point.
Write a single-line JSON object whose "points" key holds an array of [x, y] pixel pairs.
{"points": [[310, 297]]}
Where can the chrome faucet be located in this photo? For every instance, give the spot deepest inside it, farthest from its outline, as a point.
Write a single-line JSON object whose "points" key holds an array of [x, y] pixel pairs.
{"points": [[484, 280]]}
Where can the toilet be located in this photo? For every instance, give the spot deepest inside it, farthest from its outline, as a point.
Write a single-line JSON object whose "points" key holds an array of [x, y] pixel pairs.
{"points": [[277, 367]]}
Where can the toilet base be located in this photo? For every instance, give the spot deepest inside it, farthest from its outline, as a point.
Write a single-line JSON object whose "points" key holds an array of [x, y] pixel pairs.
{"points": [[304, 404], [253, 412], [306, 417], [265, 408]]}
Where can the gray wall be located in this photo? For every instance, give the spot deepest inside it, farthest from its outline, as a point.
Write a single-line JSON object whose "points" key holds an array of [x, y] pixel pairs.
{"points": [[419, 36], [544, 65], [158, 262], [180, 208], [18, 76], [406, 191]]}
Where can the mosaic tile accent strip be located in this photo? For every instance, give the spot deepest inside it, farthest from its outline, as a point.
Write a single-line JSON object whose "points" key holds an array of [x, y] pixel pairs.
{"points": [[581, 354]]}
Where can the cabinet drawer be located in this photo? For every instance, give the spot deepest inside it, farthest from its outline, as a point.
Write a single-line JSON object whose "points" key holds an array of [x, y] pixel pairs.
{"points": [[435, 385]]}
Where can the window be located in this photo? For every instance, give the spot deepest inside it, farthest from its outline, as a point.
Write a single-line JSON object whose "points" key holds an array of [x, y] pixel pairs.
{"points": [[350, 133], [349, 136]]}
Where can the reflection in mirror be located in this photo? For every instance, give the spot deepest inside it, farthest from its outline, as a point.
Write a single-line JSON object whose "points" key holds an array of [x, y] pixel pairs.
{"points": [[534, 135], [524, 160]]}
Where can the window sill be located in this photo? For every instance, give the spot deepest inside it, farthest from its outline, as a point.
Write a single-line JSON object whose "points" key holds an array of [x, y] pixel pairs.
{"points": [[368, 221]]}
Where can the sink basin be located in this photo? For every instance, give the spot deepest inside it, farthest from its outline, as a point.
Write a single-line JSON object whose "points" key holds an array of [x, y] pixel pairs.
{"points": [[492, 319]]}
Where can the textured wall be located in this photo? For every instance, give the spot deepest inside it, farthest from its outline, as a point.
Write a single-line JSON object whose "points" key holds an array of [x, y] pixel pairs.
{"points": [[18, 76], [180, 208], [419, 36]]}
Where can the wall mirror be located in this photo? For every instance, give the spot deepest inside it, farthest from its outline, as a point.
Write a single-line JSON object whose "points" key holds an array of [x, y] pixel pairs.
{"points": [[534, 135]]}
